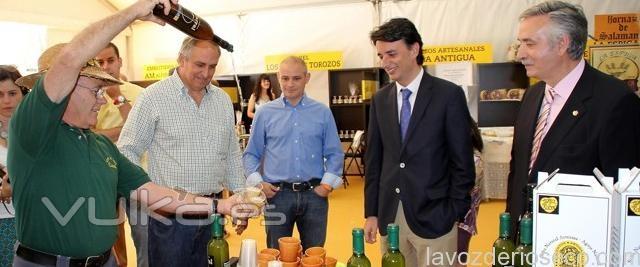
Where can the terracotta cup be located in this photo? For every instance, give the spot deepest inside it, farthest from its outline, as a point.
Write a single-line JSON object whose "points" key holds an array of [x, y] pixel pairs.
{"points": [[294, 263], [316, 251], [330, 262], [263, 259], [272, 251], [313, 261], [288, 248]]}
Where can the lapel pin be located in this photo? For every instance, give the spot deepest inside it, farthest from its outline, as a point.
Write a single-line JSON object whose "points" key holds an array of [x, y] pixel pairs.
{"points": [[575, 113]]}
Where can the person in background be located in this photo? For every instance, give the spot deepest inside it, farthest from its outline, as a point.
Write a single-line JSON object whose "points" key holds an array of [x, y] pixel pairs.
{"points": [[111, 118], [57, 164], [186, 126], [419, 157], [467, 228], [576, 118], [262, 93], [10, 96], [120, 98], [295, 153]]}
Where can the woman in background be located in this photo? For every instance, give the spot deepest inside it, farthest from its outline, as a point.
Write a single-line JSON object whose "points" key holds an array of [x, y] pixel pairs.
{"points": [[10, 97], [262, 94], [467, 228]]}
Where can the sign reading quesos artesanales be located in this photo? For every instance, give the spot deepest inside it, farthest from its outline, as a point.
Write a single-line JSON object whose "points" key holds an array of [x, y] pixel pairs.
{"points": [[329, 60], [476, 53]]}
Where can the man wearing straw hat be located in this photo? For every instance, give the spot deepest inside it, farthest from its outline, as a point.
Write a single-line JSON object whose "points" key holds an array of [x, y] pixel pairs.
{"points": [[65, 177]]}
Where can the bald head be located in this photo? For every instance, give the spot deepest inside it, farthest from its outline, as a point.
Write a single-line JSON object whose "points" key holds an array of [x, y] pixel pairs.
{"points": [[293, 60]]}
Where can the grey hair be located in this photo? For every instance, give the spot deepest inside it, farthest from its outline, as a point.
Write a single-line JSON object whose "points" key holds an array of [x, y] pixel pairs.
{"points": [[189, 42], [568, 19]]}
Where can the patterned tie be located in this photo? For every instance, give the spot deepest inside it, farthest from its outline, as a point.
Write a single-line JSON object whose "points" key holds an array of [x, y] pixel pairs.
{"points": [[405, 112], [541, 125]]}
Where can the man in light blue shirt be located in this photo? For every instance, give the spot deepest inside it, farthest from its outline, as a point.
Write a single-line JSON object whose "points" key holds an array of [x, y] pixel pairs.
{"points": [[295, 153]]}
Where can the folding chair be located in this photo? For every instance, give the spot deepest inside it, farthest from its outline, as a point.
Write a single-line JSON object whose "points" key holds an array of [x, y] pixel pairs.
{"points": [[355, 151]]}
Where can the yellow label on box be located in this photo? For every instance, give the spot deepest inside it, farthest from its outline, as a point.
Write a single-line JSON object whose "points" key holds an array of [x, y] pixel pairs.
{"points": [[158, 71], [617, 28], [329, 60], [476, 53]]}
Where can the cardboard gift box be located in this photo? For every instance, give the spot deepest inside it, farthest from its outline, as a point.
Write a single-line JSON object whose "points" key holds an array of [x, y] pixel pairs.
{"points": [[625, 249], [572, 220]]}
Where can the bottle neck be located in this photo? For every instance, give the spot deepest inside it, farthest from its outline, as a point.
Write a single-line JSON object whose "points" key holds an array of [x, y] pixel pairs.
{"points": [[393, 241], [216, 228], [505, 227], [358, 244]]}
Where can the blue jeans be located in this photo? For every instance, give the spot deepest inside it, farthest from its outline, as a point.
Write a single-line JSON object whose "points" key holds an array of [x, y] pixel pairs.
{"points": [[139, 221], [178, 244], [306, 209]]}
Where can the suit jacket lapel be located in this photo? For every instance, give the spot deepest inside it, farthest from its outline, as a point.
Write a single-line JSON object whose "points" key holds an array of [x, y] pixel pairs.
{"points": [[420, 106], [528, 125], [571, 112], [391, 104]]}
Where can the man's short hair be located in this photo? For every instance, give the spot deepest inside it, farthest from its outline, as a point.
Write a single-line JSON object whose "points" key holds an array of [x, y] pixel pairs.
{"points": [[399, 29], [115, 49], [189, 42], [566, 18], [295, 60]]}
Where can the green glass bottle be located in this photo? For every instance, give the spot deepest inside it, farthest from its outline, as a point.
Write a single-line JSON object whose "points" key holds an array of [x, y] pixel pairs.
{"points": [[503, 247], [393, 257], [358, 259], [218, 248], [523, 256]]}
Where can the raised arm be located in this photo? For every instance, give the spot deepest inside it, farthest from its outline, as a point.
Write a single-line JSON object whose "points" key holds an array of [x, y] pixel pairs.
{"points": [[63, 74]]}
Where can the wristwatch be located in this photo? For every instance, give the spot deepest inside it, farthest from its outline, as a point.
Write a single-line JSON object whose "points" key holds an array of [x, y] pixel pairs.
{"points": [[214, 205], [120, 100]]}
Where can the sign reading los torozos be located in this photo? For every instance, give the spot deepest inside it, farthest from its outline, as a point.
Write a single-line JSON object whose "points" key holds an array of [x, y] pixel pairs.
{"points": [[476, 53], [329, 60]]}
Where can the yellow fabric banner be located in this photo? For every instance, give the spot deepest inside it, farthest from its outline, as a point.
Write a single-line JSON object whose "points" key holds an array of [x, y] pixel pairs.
{"points": [[476, 53], [329, 60], [158, 71]]}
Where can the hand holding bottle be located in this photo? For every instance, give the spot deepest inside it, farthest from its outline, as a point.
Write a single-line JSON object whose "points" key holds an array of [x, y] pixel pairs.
{"points": [[144, 9]]}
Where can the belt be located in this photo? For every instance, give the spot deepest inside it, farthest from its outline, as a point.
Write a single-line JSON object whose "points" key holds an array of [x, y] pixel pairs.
{"points": [[301, 186], [51, 260], [197, 216]]}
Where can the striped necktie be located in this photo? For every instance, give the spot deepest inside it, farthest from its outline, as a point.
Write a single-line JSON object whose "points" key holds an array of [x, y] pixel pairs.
{"points": [[541, 125]]}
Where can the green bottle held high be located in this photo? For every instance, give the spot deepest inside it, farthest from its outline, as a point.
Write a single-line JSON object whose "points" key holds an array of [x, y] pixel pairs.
{"points": [[218, 248], [358, 259], [393, 257], [523, 256], [503, 247]]}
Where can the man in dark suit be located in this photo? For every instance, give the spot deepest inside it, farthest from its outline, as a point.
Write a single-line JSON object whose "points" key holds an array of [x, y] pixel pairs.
{"points": [[419, 155], [577, 117]]}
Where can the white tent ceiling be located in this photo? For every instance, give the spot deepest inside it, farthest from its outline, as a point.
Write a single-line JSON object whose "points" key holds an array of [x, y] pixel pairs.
{"points": [[218, 7]]}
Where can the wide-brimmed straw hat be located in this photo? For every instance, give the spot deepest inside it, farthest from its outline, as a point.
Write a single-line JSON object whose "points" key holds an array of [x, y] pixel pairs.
{"points": [[92, 68]]}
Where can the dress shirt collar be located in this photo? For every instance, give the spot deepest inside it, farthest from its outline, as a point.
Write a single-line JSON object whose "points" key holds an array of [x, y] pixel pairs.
{"points": [[303, 101], [413, 86], [564, 88], [177, 83]]}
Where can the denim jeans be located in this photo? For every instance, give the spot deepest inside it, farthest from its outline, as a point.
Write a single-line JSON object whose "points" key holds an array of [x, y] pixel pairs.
{"points": [[179, 244], [139, 221], [306, 209]]}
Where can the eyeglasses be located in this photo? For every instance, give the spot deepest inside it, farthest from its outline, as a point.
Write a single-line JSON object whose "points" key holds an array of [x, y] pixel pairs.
{"points": [[98, 90]]}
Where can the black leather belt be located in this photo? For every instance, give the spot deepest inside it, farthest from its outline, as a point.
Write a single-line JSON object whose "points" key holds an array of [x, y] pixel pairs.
{"points": [[301, 186], [51, 260], [198, 216]]}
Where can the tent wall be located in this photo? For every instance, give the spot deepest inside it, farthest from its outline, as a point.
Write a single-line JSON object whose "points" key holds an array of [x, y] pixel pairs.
{"points": [[342, 26]]}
